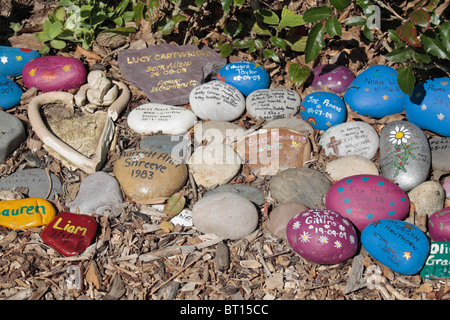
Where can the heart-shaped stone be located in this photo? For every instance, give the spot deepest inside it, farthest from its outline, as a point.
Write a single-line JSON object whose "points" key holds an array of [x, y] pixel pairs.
{"points": [[87, 160]]}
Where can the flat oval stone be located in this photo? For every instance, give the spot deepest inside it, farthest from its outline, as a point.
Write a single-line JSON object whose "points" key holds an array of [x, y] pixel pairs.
{"points": [[226, 215], [304, 185], [428, 106], [351, 138], [405, 155], [216, 100], [375, 92], [270, 104], [54, 73], [12, 134], [268, 151], [292, 123], [440, 153], [153, 117], [366, 198], [438, 260], [146, 175], [13, 59], [251, 193], [399, 245], [439, 225], [177, 146], [280, 216], [323, 110], [322, 236], [10, 93], [246, 76], [26, 213], [70, 234], [336, 78], [346, 166]]}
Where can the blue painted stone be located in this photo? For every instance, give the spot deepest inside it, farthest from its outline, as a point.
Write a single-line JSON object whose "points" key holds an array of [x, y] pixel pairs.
{"points": [[323, 110], [375, 92], [397, 244], [429, 106], [12, 60], [246, 76], [10, 93]]}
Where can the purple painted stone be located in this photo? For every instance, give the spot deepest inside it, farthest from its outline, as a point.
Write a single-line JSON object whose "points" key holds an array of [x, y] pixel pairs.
{"points": [[54, 73], [322, 236], [439, 225], [335, 77], [365, 198]]}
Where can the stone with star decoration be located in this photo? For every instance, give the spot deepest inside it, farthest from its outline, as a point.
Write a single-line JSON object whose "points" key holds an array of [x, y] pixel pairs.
{"points": [[13, 59]]}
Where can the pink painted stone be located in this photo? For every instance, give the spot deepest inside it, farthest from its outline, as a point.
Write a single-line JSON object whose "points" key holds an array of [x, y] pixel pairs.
{"points": [[365, 198], [54, 73], [335, 77], [439, 225], [446, 187], [70, 233], [322, 236]]}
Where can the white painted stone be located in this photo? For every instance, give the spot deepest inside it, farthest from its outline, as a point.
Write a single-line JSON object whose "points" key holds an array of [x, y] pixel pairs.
{"points": [[270, 104]]}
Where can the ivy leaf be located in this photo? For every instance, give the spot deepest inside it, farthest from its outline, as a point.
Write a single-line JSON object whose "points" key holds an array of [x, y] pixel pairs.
{"points": [[435, 47], [333, 27], [267, 16], [400, 54], [298, 74], [421, 18], [406, 79], [174, 205], [407, 32], [317, 13], [315, 43], [340, 4]]}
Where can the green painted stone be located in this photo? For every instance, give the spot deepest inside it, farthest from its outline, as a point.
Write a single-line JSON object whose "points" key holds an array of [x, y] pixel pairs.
{"points": [[438, 261]]}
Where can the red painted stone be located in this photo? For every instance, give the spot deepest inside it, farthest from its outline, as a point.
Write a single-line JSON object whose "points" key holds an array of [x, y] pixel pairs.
{"points": [[70, 233]]}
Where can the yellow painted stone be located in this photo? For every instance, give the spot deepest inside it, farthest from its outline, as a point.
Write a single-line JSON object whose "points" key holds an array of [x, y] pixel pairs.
{"points": [[24, 213]]}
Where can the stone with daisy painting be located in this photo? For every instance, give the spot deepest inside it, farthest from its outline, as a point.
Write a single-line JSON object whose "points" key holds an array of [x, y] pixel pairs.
{"points": [[405, 156]]}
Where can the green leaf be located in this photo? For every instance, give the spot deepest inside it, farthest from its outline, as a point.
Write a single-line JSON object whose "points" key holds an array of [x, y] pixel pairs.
{"points": [[393, 35], [42, 37], [406, 79], [58, 44], [435, 47], [52, 30], [400, 54], [44, 50], [267, 16], [444, 31], [297, 43], [356, 21], [368, 33], [174, 205], [199, 3], [267, 53], [421, 18], [261, 30], [60, 13], [340, 4], [317, 13], [278, 42], [407, 32], [333, 27], [421, 58], [233, 28], [315, 42], [226, 50], [226, 5], [298, 74], [243, 44], [290, 19]]}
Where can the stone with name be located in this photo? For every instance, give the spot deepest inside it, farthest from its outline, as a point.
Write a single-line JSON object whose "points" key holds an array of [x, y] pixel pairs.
{"points": [[399, 245], [351, 138], [336, 78], [26, 213], [226, 215], [216, 100], [147, 176], [167, 73], [54, 73], [222, 132], [439, 225], [428, 105], [375, 92], [246, 76], [270, 104], [292, 123], [69, 233], [365, 198], [437, 265], [346, 166], [323, 110], [13, 59], [269, 151], [12, 134], [405, 156], [10, 93], [178, 147], [251, 193], [279, 217], [440, 153], [322, 236], [160, 118], [35, 180]]}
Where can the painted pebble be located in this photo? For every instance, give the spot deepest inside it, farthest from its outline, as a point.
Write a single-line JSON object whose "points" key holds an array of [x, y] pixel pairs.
{"points": [[375, 92], [153, 117], [54, 73], [428, 106], [336, 78], [13, 59], [399, 245], [270, 104], [10, 93], [322, 236], [323, 110], [366, 198], [12, 134], [440, 153], [437, 265], [405, 155], [351, 138], [69, 233], [26, 213], [246, 76], [439, 225], [216, 100]]}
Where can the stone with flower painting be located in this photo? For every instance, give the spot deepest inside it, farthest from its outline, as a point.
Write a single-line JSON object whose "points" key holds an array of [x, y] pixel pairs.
{"points": [[405, 156], [428, 106], [336, 78], [54, 73], [13, 59], [322, 236], [375, 92]]}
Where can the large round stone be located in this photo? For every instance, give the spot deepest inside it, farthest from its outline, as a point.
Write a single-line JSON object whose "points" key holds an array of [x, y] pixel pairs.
{"points": [[281, 215]]}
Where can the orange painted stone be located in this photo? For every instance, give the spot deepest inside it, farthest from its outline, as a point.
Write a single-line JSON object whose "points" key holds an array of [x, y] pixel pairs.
{"points": [[269, 151], [24, 213], [70, 233]]}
